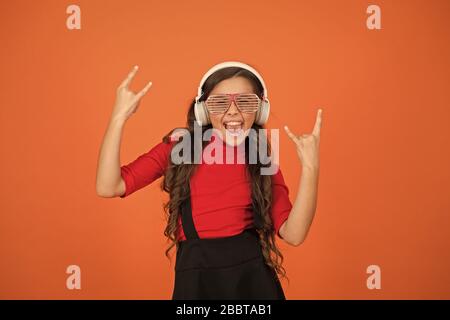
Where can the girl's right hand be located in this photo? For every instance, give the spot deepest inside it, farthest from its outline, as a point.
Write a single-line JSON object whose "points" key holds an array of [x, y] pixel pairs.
{"points": [[127, 102]]}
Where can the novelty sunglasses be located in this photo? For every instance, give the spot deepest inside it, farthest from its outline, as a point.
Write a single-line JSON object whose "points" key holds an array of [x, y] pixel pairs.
{"points": [[245, 102]]}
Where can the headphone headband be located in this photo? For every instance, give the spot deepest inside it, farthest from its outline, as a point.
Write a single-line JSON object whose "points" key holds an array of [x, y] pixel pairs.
{"points": [[227, 64]]}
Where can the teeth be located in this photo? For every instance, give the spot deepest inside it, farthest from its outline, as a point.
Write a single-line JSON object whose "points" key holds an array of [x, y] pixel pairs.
{"points": [[233, 123], [234, 127]]}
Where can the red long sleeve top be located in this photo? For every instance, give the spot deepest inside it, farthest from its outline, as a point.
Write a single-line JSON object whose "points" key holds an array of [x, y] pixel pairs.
{"points": [[220, 193]]}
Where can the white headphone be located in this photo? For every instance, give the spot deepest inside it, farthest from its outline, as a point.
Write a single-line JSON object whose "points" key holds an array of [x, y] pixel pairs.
{"points": [[201, 112]]}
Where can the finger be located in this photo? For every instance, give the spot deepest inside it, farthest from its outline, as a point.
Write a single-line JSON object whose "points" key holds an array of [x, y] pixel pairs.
{"points": [[318, 124], [137, 106], [125, 83], [144, 91], [290, 134]]}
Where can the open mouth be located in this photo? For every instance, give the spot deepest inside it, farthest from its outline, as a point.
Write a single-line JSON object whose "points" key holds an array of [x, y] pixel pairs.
{"points": [[234, 128]]}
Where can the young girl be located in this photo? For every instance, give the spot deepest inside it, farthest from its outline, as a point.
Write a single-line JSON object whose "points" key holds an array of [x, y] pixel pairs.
{"points": [[223, 216]]}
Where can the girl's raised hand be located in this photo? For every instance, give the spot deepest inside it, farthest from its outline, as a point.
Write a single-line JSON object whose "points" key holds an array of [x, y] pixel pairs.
{"points": [[308, 144], [127, 102]]}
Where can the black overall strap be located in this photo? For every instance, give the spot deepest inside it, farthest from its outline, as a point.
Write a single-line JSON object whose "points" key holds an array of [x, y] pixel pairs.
{"points": [[186, 219]]}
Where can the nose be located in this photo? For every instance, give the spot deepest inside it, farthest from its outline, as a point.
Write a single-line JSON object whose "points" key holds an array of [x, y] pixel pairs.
{"points": [[232, 109]]}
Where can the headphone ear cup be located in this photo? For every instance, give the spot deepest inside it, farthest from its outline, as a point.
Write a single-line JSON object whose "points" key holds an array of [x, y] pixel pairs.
{"points": [[263, 113], [201, 114]]}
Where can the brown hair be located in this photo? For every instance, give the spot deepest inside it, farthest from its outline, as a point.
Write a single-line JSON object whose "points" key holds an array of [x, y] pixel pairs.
{"points": [[177, 177]]}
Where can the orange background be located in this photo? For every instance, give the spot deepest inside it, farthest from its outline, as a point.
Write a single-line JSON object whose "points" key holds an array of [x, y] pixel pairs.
{"points": [[384, 177]]}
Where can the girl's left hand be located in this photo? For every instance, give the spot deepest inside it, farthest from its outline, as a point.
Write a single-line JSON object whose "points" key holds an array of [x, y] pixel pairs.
{"points": [[308, 144]]}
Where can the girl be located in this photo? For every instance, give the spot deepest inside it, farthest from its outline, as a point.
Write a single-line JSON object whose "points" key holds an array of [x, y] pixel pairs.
{"points": [[222, 217]]}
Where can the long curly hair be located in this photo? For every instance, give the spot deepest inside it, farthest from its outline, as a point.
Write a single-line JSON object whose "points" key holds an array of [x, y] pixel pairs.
{"points": [[177, 176]]}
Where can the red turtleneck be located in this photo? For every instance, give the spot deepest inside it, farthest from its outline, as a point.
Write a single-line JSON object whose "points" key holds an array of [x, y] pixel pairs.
{"points": [[220, 193]]}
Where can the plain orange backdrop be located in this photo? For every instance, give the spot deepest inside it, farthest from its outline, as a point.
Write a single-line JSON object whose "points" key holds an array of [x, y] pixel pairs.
{"points": [[384, 153]]}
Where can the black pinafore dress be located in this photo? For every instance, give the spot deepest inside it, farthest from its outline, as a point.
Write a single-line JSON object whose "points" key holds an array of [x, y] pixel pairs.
{"points": [[222, 268]]}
